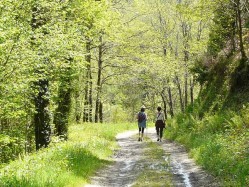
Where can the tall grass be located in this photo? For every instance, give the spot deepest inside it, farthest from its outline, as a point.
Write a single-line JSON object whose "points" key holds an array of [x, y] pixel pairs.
{"points": [[65, 163], [218, 142]]}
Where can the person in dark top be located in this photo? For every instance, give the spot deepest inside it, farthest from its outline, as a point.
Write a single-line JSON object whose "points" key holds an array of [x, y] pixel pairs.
{"points": [[160, 123], [141, 118]]}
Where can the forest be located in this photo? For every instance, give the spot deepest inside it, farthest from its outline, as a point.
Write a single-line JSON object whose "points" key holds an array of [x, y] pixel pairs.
{"points": [[66, 62]]}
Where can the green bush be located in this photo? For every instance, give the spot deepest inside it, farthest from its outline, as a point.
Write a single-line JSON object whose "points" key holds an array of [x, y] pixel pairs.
{"points": [[10, 147]]}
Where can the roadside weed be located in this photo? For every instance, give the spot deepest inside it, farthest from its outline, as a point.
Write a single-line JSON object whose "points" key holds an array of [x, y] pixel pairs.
{"points": [[66, 163], [219, 143]]}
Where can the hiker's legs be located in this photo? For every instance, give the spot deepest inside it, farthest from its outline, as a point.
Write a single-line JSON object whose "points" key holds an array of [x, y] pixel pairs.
{"points": [[142, 133], [161, 133], [139, 132], [157, 133]]}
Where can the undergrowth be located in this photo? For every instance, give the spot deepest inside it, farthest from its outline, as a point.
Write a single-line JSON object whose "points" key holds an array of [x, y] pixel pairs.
{"points": [[215, 129], [219, 143], [65, 163]]}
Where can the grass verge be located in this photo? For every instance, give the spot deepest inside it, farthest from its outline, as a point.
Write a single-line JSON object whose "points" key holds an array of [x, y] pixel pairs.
{"points": [[217, 144], [68, 163]]}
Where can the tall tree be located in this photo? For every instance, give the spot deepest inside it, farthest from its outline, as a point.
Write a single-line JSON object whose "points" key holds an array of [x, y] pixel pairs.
{"points": [[87, 117], [61, 117], [42, 118], [238, 9], [99, 76]]}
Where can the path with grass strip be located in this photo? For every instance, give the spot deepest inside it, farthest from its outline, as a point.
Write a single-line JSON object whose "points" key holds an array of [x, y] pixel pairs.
{"points": [[150, 163]]}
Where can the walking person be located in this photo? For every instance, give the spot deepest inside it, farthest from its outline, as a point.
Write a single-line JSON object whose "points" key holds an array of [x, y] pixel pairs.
{"points": [[160, 123], [141, 119]]}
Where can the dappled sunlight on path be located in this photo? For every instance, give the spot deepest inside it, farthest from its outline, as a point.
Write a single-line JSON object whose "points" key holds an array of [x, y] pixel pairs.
{"points": [[129, 163]]}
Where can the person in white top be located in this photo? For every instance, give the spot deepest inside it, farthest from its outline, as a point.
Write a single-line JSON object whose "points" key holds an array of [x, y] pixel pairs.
{"points": [[160, 123]]}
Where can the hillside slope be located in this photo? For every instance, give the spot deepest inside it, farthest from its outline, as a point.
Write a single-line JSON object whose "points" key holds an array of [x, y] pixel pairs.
{"points": [[216, 128]]}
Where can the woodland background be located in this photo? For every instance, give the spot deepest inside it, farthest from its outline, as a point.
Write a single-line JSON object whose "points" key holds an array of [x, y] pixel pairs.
{"points": [[99, 61]]}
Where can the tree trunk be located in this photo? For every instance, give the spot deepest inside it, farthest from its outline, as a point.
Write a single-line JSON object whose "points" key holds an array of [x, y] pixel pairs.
{"points": [[62, 112], [77, 107], [97, 108], [164, 105], [41, 100], [185, 32], [64, 102], [192, 91], [90, 96], [186, 91], [88, 86], [176, 48], [101, 112], [233, 32], [180, 93], [42, 115], [100, 62], [240, 31], [171, 110], [86, 101], [28, 137]]}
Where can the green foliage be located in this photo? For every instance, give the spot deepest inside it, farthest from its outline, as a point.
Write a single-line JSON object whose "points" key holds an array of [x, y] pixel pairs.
{"points": [[223, 27], [146, 44], [218, 143], [66, 163], [200, 72], [10, 147], [118, 114], [38, 46], [215, 128]]}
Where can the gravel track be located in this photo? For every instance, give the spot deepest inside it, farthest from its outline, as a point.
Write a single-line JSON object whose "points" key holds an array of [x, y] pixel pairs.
{"points": [[129, 163]]}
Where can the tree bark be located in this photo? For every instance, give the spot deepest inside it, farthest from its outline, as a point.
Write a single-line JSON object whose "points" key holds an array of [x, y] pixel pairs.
{"points": [[28, 138], [64, 102], [41, 100], [90, 96], [100, 63], [88, 86], [186, 32], [62, 112], [86, 101], [101, 112], [180, 93], [233, 31], [42, 115], [171, 110], [164, 105], [77, 107], [240, 31], [191, 91], [186, 91]]}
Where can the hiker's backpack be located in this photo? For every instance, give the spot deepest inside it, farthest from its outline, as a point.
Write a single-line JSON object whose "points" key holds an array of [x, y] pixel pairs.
{"points": [[141, 117]]}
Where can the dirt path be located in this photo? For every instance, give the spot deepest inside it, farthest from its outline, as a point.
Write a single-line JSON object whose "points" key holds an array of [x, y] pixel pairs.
{"points": [[135, 165]]}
